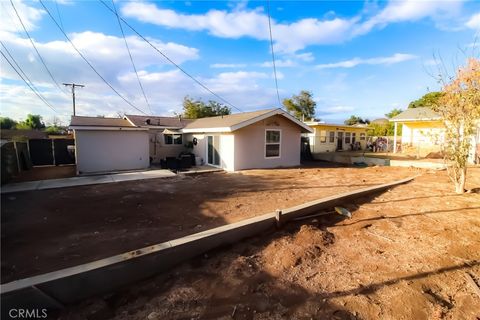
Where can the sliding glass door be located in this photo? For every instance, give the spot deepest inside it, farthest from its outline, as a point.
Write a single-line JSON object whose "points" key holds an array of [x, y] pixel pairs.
{"points": [[213, 150]]}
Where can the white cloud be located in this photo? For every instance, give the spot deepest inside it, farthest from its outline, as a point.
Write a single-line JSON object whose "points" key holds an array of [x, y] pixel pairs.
{"points": [[295, 36], [409, 10], [396, 58], [280, 63], [30, 16], [228, 65], [474, 22]]}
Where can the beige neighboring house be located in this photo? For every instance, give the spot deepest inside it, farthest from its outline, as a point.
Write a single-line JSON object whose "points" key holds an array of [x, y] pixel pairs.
{"points": [[328, 137], [260, 139], [248, 140], [109, 144], [423, 132]]}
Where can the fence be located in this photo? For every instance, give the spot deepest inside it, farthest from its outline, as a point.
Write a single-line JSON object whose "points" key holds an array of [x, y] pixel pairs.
{"points": [[19, 156]]}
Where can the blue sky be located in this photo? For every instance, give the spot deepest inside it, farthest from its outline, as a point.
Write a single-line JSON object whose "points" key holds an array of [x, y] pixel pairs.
{"points": [[356, 57]]}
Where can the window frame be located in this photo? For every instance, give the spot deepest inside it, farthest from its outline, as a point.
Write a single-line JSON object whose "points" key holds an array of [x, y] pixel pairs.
{"points": [[349, 136], [323, 138], [331, 136], [363, 136], [165, 135], [279, 143]]}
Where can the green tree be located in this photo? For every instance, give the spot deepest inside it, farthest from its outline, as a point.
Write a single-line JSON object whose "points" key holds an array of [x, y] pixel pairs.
{"points": [[33, 121], [302, 105], [393, 113], [428, 100], [7, 123], [194, 109], [355, 120], [54, 130]]}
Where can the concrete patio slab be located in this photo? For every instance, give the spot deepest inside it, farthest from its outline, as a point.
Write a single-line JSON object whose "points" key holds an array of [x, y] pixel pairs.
{"points": [[86, 180]]}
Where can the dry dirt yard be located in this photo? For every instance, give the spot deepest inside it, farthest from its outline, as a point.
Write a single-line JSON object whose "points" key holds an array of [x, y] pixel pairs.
{"points": [[405, 254], [48, 230]]}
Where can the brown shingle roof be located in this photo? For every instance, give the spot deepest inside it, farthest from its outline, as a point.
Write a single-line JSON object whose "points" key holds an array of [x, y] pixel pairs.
{"points": [[78, 121], [226, 121], [169, 122]]}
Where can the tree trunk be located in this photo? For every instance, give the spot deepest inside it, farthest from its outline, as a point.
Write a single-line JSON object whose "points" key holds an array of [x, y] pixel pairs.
{"points": [[460, 183]]}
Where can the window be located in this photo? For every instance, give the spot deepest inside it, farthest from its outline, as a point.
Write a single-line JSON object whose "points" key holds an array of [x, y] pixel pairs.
{"points": [[347, 137], [173, 138], [332, 136], [272, 143], [354, 137], [362, 136], [323, 136]]}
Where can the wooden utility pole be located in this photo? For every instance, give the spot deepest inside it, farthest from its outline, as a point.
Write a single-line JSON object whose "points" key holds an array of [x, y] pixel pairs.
{"points": [[73, 85]]}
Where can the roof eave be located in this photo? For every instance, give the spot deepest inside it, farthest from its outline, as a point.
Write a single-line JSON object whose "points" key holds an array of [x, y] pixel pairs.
{"points": [[106, 128]]}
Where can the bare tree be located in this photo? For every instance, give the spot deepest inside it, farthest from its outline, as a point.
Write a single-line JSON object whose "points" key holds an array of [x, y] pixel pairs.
{"points": [[459, 106]]}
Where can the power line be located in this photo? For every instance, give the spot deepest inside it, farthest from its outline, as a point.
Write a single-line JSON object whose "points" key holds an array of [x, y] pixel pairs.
{"points": [[130, 55], [89, 64], [58, 13], [273, 53], [28, 84], [35, 47], [170, 60]]}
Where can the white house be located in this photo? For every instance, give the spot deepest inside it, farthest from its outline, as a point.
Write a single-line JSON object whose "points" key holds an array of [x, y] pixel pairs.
{"points": [[260, 139], [109, 144]]}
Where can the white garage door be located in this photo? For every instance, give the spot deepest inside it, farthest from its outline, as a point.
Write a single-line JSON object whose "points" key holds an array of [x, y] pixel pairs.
{"points": [[103, 151]]}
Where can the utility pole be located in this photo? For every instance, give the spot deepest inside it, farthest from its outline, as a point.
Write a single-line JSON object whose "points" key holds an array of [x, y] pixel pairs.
{"points": [[73, 85]]}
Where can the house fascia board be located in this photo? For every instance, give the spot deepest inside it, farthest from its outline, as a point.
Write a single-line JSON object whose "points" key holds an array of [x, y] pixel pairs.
{"points": [[207, 130], [98, 128], [415, 120]]}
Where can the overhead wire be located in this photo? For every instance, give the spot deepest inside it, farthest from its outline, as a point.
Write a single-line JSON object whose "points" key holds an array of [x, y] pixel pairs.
{"points": [[88, 62], [273, 52], [35, 47], [26, 82], [58, 13], [130, 55], [170, 60]]}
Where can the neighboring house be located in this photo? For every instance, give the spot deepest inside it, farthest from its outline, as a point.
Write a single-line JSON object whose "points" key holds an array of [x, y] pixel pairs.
{"points": [[335, 137], [423, 132], [165, 138], [259, 139], [109, 144]]}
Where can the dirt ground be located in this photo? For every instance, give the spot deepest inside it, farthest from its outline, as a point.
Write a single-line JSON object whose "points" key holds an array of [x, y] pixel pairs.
{"points": [[47, 230], [405, 254], [45, 173]]}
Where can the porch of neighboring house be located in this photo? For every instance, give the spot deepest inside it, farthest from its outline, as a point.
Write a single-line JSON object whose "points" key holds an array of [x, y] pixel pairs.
{"points": [[336, 137]]}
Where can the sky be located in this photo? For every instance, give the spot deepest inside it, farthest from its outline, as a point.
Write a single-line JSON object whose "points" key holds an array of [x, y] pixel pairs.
{"points": [[359, 58]]}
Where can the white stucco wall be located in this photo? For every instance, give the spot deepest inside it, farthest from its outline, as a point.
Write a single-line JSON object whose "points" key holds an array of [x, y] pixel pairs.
{"points": [[103, 151], [250, 145], [226, 150], [245, 148], [159, 150]]}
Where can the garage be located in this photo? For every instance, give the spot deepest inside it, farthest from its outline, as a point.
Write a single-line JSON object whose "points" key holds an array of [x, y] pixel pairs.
{"points": [[109, 144]]}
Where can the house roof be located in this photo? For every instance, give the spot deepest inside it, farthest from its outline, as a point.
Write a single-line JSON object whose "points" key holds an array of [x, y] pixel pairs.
{"points": [[100, 123], [321, 123], [154, 121], [9, 134], [232, 122], [417, 114]]}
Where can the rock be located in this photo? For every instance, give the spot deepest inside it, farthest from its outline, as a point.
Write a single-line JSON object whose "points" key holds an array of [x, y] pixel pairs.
{"points": [[153, 315]]}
